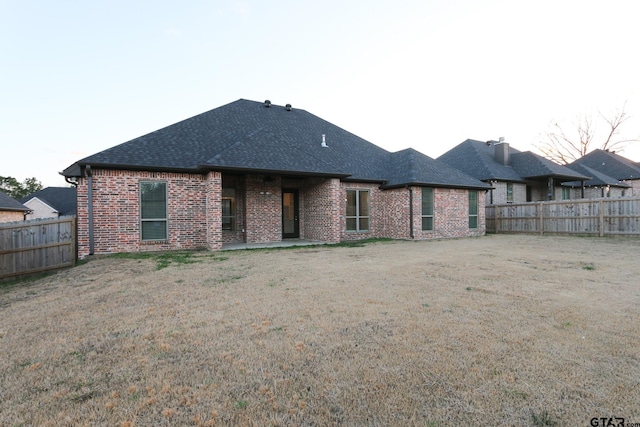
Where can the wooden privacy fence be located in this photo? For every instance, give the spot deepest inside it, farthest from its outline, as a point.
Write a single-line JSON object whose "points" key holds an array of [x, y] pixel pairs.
{"points": [[599, 217], [37, 245]]}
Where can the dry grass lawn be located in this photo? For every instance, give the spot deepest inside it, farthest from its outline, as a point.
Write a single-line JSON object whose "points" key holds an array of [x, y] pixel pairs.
{"points": [[498, 330]]}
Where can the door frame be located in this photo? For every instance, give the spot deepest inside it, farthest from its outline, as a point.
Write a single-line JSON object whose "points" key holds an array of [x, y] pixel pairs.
{"points": [[296, 213]]}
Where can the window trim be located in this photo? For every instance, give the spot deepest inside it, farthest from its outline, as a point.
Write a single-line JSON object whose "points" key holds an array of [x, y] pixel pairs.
{"points": [[427, 215], [473, 217], [166, 206], [358, 216], [232, 216]]}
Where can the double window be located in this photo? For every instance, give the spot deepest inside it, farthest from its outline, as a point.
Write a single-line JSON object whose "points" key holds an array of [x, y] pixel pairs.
{"points": [[153, 210], [473, 209], [427, 209], [357, 210]]}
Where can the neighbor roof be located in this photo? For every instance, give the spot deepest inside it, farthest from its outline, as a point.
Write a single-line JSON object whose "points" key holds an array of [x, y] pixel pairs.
{"points": [[8, 203], [477, 159], [62, 199], [251, 137], [598, 178], [611, 164]]}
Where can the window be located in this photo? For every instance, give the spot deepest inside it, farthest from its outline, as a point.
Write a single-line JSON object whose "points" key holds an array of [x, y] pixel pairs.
{"points": [[229, 209], [357, 210], [427, 209], [566, 193], [153, 210], [509, 192], [473, 209]]}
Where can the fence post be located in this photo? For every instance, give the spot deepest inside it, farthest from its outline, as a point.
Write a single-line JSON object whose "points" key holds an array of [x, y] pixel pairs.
{"points": [[601, 216], [541, 217]]}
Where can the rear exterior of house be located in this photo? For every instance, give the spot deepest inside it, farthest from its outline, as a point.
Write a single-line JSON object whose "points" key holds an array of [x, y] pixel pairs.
{"points": [[255, 172]]}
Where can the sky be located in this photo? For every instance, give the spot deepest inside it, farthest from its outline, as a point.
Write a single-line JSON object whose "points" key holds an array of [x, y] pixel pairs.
{"points": [[78, 77]]}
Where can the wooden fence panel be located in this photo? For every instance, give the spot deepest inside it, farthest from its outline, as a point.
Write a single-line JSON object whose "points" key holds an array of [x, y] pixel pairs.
{"points": [[599, 217], [37, 245]]}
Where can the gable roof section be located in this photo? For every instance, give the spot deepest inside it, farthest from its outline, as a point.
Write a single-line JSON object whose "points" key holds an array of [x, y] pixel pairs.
{"points": [[598, 178], [611, 164], [249, 136], [62, 199], [476, 158], [8, 203], [410, 167]]}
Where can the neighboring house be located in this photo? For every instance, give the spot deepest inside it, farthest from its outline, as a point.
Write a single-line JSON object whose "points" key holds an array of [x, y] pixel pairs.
{"points": [[51, 202], [516, 177], [614, 165], [256, 172], [600, 185], [10, 209]]}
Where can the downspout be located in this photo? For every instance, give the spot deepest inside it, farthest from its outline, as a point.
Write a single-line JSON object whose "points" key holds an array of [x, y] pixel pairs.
{"points": [[90, 207], [582, 189], [410, 211]]}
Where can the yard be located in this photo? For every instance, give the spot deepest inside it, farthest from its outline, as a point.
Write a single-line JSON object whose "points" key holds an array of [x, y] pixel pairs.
{"points": [[498, 330]]}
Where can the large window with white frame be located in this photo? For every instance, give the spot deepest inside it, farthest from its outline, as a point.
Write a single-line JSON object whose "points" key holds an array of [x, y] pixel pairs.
{"points": [[357, 210], [153, 210], [427, 209]]}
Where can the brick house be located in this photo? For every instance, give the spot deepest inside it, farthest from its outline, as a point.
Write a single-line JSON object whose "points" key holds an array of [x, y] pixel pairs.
{"points": [[619, 176], [11, 210], [257, 172], [515, 176], [51, 202]]}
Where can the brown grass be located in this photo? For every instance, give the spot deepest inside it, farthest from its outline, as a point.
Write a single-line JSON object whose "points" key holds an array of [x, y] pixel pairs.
{"points": [[499, 330]]}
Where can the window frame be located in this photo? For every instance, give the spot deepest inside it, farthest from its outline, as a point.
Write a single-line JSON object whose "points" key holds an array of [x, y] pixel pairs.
{"points": [[566, 193], [231, 198], [358, 217], [164, 219], [473, 206], [427, 217], [509, 192]]}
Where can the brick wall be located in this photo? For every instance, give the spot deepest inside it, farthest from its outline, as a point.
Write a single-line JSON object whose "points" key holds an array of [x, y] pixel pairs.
{"points": [[320, 202], [263, 209], [192, 203], [9, 216]]}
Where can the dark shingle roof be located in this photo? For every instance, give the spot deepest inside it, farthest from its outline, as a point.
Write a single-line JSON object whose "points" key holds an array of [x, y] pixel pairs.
{"points": [[10, 204], [248, 136], [477, 159], [62, 199], [412, 167], [610, 164], [598, 178], [532, 166]]}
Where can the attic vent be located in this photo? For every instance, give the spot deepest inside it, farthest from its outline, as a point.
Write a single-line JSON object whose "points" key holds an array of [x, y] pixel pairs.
{"points": [[324, 141], [288, 107], [267, 103]]}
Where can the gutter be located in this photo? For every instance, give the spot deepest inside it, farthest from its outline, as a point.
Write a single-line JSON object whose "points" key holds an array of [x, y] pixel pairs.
{"points": [[410, 211], [90, 207]]}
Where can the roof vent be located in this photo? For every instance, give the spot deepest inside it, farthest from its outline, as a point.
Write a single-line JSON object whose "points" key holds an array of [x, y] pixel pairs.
{"points": [[288, 107], [324, 141], [267, 103]]}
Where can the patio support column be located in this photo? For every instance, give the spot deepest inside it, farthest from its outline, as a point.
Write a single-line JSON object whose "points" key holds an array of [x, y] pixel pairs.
{"points": [[213, 194]]}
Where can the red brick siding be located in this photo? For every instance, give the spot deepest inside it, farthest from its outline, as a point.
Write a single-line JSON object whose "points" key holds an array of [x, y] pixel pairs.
{"points": [[263, 209], [320, 203], [11, 216], [194, 219]]}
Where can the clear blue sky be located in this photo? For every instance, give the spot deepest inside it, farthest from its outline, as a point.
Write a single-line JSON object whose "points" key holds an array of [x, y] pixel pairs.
{"points": [[77, 77]]}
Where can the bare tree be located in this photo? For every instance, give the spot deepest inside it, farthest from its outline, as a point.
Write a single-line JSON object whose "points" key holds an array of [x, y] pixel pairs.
{"points": [[564, 148]]}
